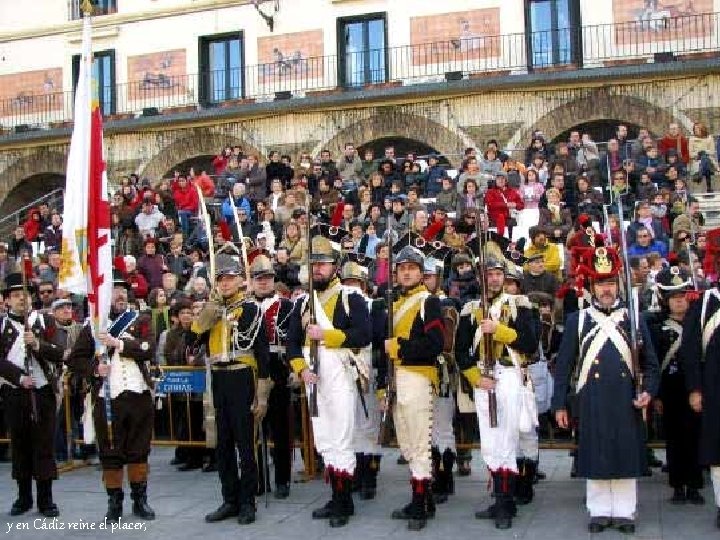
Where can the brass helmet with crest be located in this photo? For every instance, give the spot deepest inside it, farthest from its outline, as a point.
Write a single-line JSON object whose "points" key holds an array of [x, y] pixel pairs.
{"points": [[410, 254], [353, 270], [262, 266], [322, 250]]}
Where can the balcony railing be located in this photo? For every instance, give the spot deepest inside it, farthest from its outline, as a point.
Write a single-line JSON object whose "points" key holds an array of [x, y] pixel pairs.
{"points": [[587, 47]]}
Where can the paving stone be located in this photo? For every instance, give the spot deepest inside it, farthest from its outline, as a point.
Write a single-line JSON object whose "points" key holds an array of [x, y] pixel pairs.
{"points": [[181, 501]]}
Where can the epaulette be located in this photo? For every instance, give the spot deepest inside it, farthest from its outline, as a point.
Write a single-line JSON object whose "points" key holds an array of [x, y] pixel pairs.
{"points": [[470, 307], [520, 300]]}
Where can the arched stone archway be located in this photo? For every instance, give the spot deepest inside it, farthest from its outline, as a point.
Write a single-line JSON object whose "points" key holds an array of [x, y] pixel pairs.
{"points": [[200, 142], [200, 162], [398, 123], [39, 163], [31, 189], [599, 104], [402, 148]]}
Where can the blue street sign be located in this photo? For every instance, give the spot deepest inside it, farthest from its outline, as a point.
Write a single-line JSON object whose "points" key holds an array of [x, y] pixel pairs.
{"points": [[181, 382]]}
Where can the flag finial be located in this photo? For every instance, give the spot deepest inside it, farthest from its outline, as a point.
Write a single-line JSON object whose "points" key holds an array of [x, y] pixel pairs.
{"points": [[87, 7]]}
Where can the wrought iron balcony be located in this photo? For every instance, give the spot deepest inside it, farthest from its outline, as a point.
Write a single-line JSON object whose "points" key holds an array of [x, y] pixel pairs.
{"points": [[582, 48]]}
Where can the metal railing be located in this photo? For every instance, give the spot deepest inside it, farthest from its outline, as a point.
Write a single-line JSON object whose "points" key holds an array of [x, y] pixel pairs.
{"points": [[8, 223], [586, 47]]}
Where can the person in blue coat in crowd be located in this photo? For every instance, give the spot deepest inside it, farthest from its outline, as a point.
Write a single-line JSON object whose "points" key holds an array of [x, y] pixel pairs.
{"points": [[241, 202]]}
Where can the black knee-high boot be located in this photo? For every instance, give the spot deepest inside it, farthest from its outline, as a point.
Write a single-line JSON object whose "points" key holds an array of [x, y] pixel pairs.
{"points": [[448, 463], [45, 499], [24, 501], [329, 510], [368, 487], [438, 477], [504, 488], [141, 508]]}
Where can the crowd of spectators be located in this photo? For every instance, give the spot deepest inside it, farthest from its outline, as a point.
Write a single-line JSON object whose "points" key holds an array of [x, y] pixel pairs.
{"points": [[541, 205], [159, 244]]}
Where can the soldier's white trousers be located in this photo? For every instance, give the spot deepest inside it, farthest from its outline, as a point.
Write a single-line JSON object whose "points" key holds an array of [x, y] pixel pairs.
{"points": [[443, 437], [413, 421], [715, 477], [365, 438], [499, 445], [612, 498], [334, 427], [528, 445]]}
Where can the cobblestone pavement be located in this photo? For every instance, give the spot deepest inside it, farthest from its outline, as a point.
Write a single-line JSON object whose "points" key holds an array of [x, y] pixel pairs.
{"points": [[181, 499]]}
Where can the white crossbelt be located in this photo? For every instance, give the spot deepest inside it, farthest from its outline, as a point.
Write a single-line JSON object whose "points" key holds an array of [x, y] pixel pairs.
{"points": [[670, 324], [409, 304], [709, 328], [606, 328]]}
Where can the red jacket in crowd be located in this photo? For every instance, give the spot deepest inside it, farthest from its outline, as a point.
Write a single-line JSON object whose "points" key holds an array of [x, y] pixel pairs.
{"points": [[207, 186], [679, 143], [185, 199], [138, 284], [496, 200], [219, 164], [32, 225]]}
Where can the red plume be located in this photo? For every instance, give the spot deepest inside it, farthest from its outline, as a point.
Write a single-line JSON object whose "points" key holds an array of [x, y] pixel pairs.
{"points": [[673, 259], [579, 285], [584, 221], [562, 291], [432, 231], [27, 268], [336, 218]]}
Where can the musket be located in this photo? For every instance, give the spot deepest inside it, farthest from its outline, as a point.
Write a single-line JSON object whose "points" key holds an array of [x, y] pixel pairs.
{"points": [[209, 409], [102, 357], [313, 344], [608, 230], [265, 466], [386, 420], [26, 323], [635, 337], [488, 356]]}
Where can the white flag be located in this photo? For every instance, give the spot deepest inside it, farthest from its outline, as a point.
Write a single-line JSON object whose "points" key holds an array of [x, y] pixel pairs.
{"points": [[72, 276]]}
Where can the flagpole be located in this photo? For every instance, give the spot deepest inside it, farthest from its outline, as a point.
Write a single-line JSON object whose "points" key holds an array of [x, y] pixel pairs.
{"points": [[86, 246]]}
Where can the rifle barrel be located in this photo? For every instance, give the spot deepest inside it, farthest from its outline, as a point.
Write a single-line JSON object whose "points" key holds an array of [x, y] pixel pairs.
{"points": [[635, 341], [386, 421], [488, 359], [313, 345]]}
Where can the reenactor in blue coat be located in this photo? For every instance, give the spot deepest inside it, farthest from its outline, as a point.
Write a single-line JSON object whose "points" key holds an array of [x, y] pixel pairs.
{"points": [[596, 352], [492, 350], [701, 363], [276, 312], [342, 324], [368, 452], [414, 347], [238, 353], [681, 423]]}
